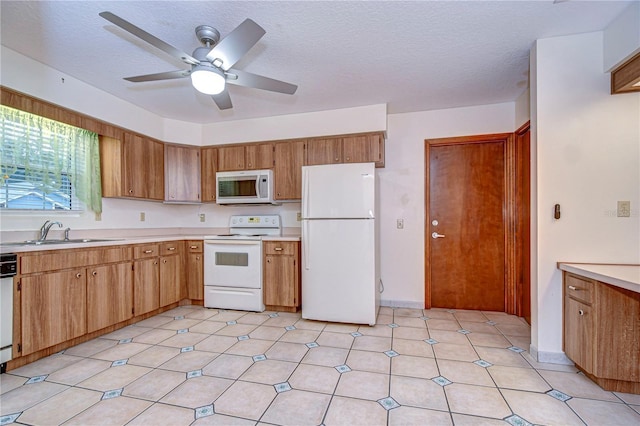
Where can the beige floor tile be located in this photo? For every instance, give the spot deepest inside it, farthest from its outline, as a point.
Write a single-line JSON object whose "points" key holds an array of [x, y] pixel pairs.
{"points": [[154, 357], [217, 344], [335, 327], [267, 333], [300, 336], [479, 327], [636, 408], [384, 319], [385, 310], [499, 356], [252, 318], [465, 420], [61, 407], [315, 378], [491, 340], [409, 416], [155, 385], [305, 324], [197, 392], [504, 319], [446, 336], [90, 348], [548, 366], [526, 379], [183, 340], [521, 342], [121, 351], [437, 313], [465, 372], [78, 372], [349, 411], [377, 330], [455, 352], [246, 400], [202, 314], [372, 343], [414, 392], [189, 361], [222, 420], [470, 316], [207, 327], [228, 366], [128, 332], [409, 322], [114, 378], [410, 333], [476, 400], [155, 336], [407, 312], [224, 316], [363, 385], [154, 322], [295, 407], [412, 347], [250, 347], [374, 362], [539, 408], [443, 324], [46, 365], [27, 396], [114, 411], [285, 351], [522, 330], [280, 321], [602, 413], [9, 382], [326, 356], [236, 330], [335, 340], [180, 324], [163, 414], [412, 366], [181, 311], [269, 372], [577, 385], [629, 398]]}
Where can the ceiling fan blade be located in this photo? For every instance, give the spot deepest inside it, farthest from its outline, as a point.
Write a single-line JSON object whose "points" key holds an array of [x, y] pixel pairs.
{"points": [[223, 100], [247, 79], [149, 38], [159, 76], [238, 42]]}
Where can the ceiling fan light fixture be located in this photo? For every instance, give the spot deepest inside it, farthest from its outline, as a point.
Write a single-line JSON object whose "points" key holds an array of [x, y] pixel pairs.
{"points": [[207, 80]]}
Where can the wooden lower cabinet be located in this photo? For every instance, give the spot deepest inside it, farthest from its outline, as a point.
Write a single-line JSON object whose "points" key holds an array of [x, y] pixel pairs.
{"points": [[170, 274], [195, 271], [109, 295], [146, 285], [281, 287], [53, 308]]}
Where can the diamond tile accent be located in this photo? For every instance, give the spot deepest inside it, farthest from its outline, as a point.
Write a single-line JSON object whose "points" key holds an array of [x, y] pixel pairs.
{"points": [[261, 357], [515, 420], [182, 331], [273, 315], [119, 362], [391, 354], [112, 393], [393, 325], [516, 349], [282, 387], [491, 322], [424, 318], [559, 395], [187, 349], [312, 345], [36, 379], [451, 311], [431, 341], [205, 411], [195, 373], [388, 403], [179, 317], [243, 337], [463, 331], [344, 368], [442, 381], [356, 334], [129, 340], [482, 363], [8, 419], [232, 322], [290, 327]]}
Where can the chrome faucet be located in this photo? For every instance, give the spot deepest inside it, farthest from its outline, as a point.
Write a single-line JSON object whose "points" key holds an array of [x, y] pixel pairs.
{"points": [[44, 230]]}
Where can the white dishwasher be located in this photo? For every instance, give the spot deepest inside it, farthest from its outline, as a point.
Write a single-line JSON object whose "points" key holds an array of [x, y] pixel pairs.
{"points": [[8, 269]]}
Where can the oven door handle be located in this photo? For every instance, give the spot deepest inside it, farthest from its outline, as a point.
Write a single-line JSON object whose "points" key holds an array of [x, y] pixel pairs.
{"points": [[233, 242]]}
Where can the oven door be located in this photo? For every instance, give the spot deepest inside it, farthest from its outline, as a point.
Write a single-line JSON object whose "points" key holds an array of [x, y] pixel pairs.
{"points": [[233, 263]]}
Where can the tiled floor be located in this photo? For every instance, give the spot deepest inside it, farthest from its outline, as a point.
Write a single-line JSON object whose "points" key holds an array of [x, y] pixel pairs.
{"points": [[200, 366]]}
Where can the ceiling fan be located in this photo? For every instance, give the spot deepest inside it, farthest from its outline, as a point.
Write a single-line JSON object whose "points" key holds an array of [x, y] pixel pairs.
{"points": [[210, 65]]}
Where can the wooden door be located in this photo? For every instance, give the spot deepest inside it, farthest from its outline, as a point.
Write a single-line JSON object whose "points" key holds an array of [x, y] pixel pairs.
{"points": [[470, 266], [182, 173], [109, 295], [209, 167], [259, 156], [523, 230], [324, 151], [170, 278], [287, 174], [146, 285], [231, 158]]}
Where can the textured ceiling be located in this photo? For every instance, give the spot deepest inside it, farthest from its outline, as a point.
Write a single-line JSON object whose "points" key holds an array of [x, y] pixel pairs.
{"points": [[413, 56]]}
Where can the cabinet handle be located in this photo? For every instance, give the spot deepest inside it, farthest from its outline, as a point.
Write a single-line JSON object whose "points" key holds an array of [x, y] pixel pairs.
{"points": [[131, 191], [268, 260], [336, 159], [278, 248], [348, 158], [171, 248], [572, 288], [94, 273], [78, 275], [581, 312], [148, 251], [155, 263], [164, 260], [193, 247], [197, 257]]}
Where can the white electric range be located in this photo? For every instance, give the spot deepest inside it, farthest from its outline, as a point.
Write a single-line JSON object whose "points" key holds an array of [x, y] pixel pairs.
{"points": [[233, 263]]}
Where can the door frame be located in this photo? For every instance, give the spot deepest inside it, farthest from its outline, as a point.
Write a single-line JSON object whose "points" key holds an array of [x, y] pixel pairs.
{"points": [[509, 208]]}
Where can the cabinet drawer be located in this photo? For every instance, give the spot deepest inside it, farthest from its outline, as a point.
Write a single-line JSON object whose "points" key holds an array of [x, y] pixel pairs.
{"points": [[194, 246], [42, 261], [170, 247], [147, 250], [286, 248], [578, 288]]}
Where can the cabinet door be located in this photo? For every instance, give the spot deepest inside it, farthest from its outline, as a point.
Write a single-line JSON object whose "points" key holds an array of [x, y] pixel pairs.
{"points": [[195, 276], [143, 167], [109, 295], [182, 173], [111, 166], [363, 149], [578, 333], [54, 309], [170, 274], [259, 156], [146, 285], [324, 151], [209, 167], [289, 159], [231, 158], [279, 281]]}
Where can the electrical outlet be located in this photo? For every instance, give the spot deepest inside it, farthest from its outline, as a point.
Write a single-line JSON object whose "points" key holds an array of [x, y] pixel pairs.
{"points": [[624, 208], [142, 217], [400, 223], [298, 216], [201, 217]]}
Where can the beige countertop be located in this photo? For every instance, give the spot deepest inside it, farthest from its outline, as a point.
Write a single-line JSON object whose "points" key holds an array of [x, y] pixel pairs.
{"points": [[624, 276]]}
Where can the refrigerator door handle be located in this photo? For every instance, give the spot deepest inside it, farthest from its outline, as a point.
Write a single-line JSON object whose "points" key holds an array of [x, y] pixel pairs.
{"points": [[306, 199], [305, 241], [381, 286]]}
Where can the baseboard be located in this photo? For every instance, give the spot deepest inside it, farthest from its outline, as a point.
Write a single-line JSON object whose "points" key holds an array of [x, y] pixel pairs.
{"points": [[549, 357], [401, 304]]}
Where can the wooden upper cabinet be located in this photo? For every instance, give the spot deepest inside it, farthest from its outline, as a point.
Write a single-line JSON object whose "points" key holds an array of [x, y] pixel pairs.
{"points": [[143, 167], [288, 159], [324, 151], [182, 173], [231, 158], [209, 167], [259, 156], [112, 166], [364, 149]]}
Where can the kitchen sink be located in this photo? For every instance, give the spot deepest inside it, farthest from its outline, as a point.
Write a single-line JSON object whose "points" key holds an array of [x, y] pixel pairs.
{"points": [[54, 242]]}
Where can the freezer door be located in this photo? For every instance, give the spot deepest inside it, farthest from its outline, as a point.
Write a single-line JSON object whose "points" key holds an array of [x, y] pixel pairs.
{"points": [[338, 191], [338, 271]]}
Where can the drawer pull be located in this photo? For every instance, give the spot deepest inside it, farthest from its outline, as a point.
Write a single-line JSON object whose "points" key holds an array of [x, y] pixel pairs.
{"points": [[171, 248], [193, 247], [164, 260], [94, 273], [148, 251], [572, 288], [78, 275], [581, 312], [278, 248]]}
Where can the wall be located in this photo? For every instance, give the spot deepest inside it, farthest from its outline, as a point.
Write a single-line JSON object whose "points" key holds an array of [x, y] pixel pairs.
{"points": [[622, 37], [587, 147], [402, 189]]}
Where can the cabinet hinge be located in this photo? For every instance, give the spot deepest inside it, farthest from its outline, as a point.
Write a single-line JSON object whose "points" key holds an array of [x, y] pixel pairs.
{"points": [[133, 311], [19, 347], [19, 286], [133, 268]]}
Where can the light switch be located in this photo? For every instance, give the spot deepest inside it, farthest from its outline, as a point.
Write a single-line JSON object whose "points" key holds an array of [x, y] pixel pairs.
{"points": [[400, 224], [202, 217], [624, 208], [142, 217]]}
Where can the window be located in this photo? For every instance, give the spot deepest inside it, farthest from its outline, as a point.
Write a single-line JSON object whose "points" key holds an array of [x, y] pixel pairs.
{"points": [[47, 165]]}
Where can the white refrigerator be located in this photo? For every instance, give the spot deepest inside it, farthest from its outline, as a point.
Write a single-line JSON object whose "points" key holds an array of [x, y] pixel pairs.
{"points": [[340, 265]]}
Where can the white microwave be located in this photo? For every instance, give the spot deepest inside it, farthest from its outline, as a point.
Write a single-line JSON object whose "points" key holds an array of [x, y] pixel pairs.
{"points": [[245, 187]]}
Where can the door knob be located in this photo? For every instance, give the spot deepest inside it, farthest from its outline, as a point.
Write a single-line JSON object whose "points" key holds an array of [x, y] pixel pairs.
{"points": [[436, 235]]}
